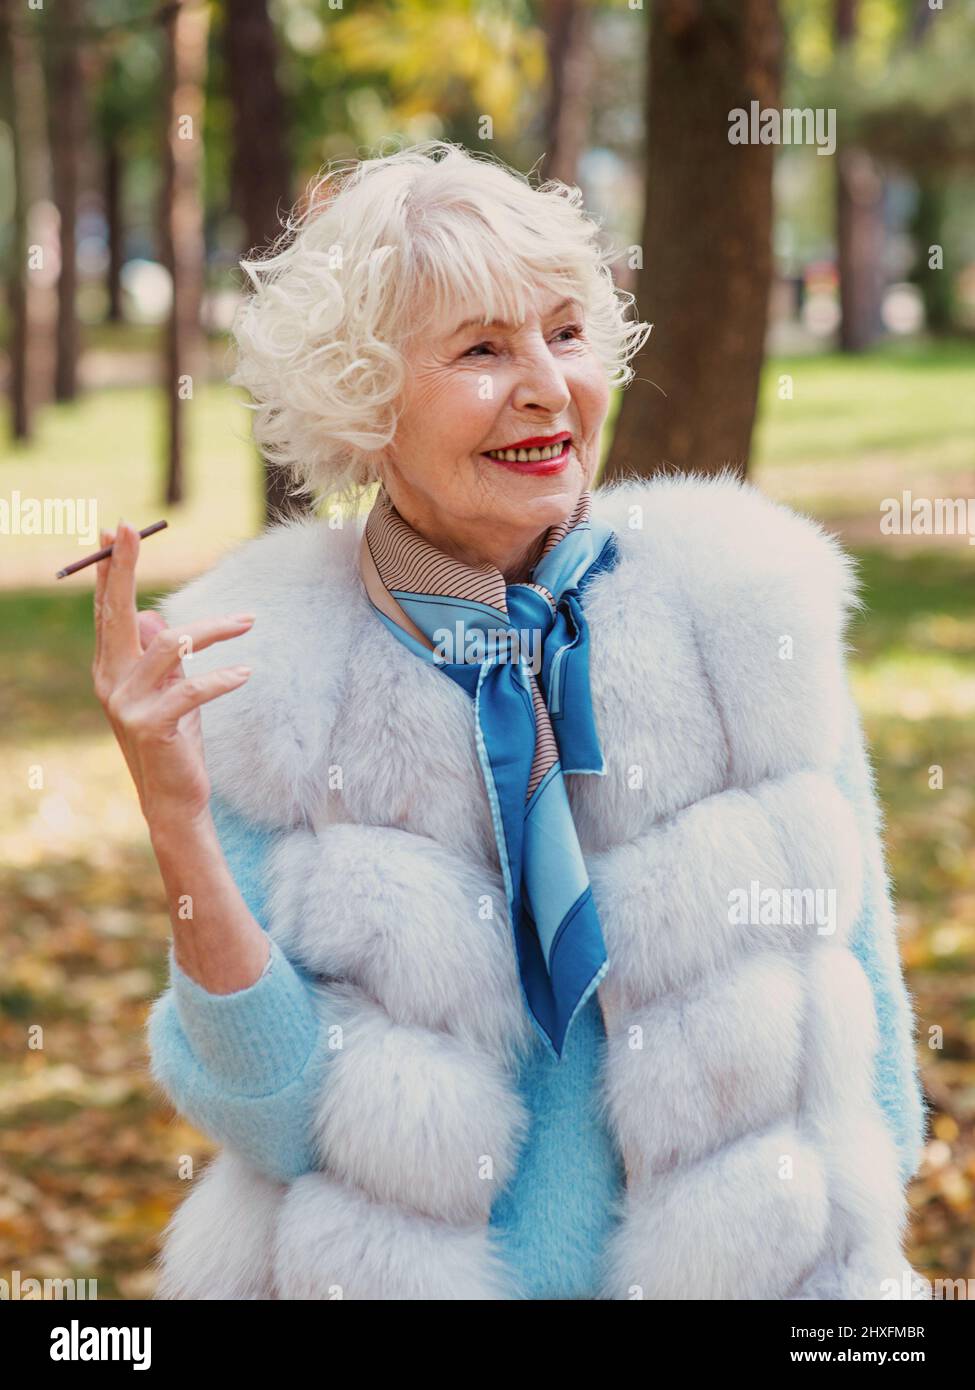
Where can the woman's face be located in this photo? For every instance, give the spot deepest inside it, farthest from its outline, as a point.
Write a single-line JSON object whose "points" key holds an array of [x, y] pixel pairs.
{"points": [[473, 391]]}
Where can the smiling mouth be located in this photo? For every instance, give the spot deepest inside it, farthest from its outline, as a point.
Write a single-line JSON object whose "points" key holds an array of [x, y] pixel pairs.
{"points": [[546, 454]]}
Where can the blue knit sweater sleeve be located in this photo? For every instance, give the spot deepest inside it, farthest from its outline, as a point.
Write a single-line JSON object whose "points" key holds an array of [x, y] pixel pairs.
{"points": [[874, 941], [244, 1067]]}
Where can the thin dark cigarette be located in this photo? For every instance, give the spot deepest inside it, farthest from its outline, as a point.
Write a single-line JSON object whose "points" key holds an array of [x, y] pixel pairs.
{"points": [[104, 554]]}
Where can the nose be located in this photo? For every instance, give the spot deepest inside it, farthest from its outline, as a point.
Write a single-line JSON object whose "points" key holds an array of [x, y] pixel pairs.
{"points": [[541, 383]]}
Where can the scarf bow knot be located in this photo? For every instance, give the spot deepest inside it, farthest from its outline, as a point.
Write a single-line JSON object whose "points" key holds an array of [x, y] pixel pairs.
{"points": [[521, 651]]}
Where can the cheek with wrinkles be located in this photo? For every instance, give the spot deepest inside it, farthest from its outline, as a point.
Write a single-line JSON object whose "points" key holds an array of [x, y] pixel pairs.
{"points": [[447, 416]]}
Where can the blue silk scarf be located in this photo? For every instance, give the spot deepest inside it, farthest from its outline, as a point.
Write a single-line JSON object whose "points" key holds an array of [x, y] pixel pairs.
{"points": [[521, 651]]}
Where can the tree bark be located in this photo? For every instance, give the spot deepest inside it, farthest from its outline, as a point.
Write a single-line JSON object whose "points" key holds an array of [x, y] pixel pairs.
{"points": [[114, 217], [568, 35], [181, 224], [860, 245], [22, 88], [261, 164], [859, 224], [66, 107], [934, 284], [706, 243]]}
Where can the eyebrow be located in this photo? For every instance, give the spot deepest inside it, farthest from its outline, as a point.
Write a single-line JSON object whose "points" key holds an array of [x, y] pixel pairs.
{"points": [[501, 323]]}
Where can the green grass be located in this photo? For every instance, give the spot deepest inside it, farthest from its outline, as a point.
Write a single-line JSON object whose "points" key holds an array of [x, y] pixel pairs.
{"points": [[919, 602], [913, 664], [45, 681], [108, 446], [859, 429], [916, 402]]}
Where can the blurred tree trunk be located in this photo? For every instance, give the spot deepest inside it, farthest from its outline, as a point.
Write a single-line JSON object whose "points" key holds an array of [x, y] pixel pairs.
{"points": [[112, 123], [21, 83], [181, 222], [923, 15], [860, 245], [934, 284], [568, 36], [706, 242], [261, 163], [929, 216], [66, 124], [112, 194], [859, 224]]}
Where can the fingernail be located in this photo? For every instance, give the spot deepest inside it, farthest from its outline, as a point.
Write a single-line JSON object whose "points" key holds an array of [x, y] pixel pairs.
{"points": [[241, 671], [242, 618]]}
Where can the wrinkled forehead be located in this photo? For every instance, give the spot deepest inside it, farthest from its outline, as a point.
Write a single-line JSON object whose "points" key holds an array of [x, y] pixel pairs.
{"points": [[496, 301], [487, 277]]}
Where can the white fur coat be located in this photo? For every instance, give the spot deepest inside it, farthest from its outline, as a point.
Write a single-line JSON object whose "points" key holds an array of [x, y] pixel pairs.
{"points": [[739, 1056]]}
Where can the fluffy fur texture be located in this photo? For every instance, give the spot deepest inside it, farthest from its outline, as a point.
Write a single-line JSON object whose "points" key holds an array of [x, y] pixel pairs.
{"points": [[740, 1057]]}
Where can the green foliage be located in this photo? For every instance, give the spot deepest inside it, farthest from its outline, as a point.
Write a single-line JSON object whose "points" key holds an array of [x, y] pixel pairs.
{"points": [[908, 97]]}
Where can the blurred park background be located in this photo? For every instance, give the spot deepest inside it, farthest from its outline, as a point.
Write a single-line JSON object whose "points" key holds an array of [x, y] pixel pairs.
{"points": [[814, 313]]}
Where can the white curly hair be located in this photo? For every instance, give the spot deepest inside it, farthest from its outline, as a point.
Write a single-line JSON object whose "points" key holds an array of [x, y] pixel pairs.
{"points": [[385, 246]]}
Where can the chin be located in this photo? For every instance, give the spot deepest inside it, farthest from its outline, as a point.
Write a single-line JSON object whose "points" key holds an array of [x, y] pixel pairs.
{"points": [[550, 495], [545, 505]]}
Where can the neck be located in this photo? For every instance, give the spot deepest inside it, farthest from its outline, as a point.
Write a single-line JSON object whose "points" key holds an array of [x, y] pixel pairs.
{"points": [[515, 560], [520, 568]]}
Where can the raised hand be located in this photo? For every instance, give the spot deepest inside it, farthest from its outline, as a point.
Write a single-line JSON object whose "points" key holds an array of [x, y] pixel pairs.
{"points": [[151, 703]]}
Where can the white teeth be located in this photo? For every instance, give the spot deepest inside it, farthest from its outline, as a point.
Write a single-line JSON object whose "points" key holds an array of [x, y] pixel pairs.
{"points": [[550, 451]]}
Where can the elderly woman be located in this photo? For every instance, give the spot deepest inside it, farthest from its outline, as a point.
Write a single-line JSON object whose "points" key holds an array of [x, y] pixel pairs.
{"points": [[532, 934]]}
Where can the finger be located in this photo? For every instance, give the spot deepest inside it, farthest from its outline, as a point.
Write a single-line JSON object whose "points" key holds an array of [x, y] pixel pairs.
{"points": [[150, 622], [187, 695], [101, 574], [120, 637], [172, 645]]}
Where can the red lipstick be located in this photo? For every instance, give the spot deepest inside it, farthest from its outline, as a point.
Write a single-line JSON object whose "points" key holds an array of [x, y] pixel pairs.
{"points": [[537, 466], [538, 441]]}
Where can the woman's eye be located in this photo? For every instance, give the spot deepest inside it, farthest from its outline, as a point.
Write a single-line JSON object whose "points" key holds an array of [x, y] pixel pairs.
{"points": [[573, 329]]}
